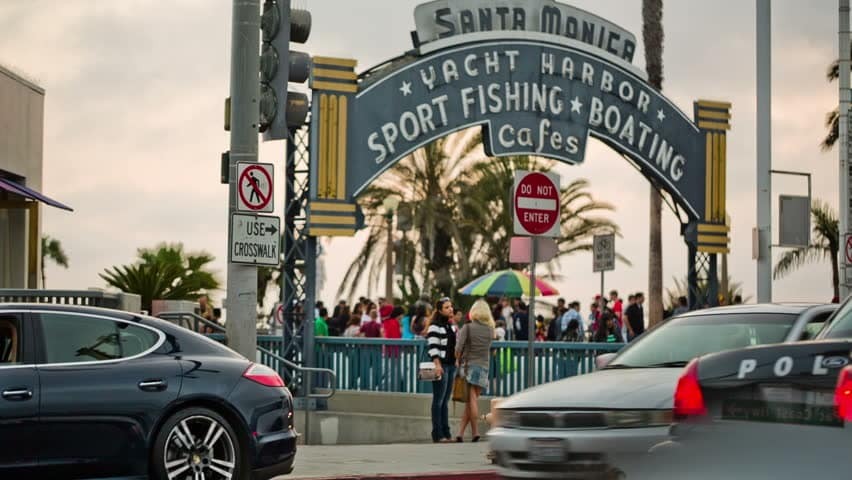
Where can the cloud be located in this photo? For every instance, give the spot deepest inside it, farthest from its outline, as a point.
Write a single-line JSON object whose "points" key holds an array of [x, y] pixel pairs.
{"points": [[135, 93]]}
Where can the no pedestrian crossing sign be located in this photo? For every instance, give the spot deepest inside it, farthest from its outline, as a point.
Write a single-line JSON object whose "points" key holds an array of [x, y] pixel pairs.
{"points": [[255, 239], [536, 204], [255, 187]]}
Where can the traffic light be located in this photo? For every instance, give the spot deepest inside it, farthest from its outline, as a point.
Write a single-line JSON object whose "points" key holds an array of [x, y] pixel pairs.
{"points": [[280, 109]]}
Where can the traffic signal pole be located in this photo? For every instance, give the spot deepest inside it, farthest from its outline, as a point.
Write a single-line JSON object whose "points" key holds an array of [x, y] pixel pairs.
{"points": [[843, 146], [241, 296], [764, 151]]}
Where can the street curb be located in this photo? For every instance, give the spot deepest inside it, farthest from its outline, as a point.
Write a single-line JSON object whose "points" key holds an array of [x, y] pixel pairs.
{"points": [[478, 475]]}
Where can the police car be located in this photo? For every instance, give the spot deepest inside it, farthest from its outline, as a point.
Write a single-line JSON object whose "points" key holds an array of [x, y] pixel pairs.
{"points": [[602, 424], [780, 412]]}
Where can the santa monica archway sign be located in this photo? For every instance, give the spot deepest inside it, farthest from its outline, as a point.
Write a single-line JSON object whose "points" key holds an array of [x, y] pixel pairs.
{"points": [[540, 78]]}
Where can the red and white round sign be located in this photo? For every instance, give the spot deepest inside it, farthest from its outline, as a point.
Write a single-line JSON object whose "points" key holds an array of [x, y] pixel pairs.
{"points": [[254, 187], [536, 204]]}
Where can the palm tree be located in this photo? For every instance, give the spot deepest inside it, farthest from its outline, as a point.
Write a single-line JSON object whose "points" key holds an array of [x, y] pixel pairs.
{"points": [[432, 175], [652, 36], [51, 248], [832, 118], [485, 215], [165, 272], [462, 224], [825, 244], [681, 289]]}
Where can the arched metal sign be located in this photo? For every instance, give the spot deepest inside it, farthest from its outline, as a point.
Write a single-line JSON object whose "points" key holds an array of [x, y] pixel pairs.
{"points": [[540, 78], [531, 99]]}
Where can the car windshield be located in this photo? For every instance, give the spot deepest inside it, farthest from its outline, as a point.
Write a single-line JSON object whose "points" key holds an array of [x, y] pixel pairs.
{"points": [[676, 342], [841, 323]]}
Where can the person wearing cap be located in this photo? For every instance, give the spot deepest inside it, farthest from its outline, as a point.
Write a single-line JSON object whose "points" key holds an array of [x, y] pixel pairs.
{"points": [[385, 308], [392, 330], [392, 324]]}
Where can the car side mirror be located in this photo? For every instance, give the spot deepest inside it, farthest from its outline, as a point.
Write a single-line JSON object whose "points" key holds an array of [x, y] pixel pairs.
{"points": [[603, 360]]}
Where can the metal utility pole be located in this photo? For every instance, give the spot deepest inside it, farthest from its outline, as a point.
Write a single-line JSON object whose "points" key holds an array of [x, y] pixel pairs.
{"points": [[531, 315], [764, 150], [843, 144], [389, 266], [241, 299]]}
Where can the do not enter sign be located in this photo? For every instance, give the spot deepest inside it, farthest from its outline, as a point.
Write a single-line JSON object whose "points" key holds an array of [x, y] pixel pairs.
{"points": [[536, 204]]}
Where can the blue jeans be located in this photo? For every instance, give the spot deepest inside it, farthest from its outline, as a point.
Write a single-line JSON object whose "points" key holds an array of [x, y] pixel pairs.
{"points": [[441, 391]]}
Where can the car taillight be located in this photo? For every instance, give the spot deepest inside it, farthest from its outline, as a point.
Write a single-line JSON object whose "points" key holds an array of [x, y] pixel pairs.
{"points": [[263, 375], [843, 394], [688, 399]]}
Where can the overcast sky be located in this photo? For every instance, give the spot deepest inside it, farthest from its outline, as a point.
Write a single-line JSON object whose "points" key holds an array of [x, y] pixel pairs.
{"points": [[133, 123]]}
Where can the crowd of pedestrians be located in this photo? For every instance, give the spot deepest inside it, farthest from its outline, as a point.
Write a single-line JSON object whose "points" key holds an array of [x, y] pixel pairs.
{"points": [[459, 343], [608, 319]]}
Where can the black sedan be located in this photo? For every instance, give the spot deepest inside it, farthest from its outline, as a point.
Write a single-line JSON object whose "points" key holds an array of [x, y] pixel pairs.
{"points": [[90, 393]]}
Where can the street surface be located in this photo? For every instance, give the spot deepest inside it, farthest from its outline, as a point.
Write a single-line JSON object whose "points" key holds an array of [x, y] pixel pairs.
{"points": [[354, 461]]}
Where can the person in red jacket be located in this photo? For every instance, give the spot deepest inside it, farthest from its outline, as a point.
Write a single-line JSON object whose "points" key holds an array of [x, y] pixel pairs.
{"points": [[392, 326]]}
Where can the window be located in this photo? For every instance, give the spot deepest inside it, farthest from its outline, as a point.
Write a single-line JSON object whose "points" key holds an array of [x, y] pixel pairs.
{"points": [[814, 326], [10, 341], [685, 338], [135, 340], [78, 338], [840, 326]]}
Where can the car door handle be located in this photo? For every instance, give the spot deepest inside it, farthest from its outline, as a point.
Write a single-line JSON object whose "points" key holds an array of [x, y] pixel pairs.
{"points": [[18, 394], [153, 385]]}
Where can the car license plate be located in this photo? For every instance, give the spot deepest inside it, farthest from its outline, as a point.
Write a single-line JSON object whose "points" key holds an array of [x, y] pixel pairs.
{"points": [[779, 412], [546, 450]]}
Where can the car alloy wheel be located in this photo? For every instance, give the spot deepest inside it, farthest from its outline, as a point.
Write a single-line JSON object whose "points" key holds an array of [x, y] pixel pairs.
{"points": [[200, 446]]}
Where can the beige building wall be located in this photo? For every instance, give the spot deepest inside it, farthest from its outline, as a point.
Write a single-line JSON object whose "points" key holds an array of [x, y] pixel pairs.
{"points": [[21, 151]]}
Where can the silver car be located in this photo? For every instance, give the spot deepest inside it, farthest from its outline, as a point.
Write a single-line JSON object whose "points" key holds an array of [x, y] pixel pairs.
{"points": [[602, 424]]}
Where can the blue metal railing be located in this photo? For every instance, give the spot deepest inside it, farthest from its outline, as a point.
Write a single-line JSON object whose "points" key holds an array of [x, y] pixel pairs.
{"points": [[391, 365], [374, 364], [91, 298]]}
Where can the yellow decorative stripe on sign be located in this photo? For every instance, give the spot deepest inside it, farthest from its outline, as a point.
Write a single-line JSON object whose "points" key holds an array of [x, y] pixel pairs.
{"points": [[335, 87], [323, 171], [335, 62], [331, 232], [723, 180], [714, 104], [332, 220], [708, 125], [331, 174], [331, 207], [330, 187], [713, 249], [343, 112], [713, 240], [708, 178], [708, 228], [713, 114], [338, 74]]}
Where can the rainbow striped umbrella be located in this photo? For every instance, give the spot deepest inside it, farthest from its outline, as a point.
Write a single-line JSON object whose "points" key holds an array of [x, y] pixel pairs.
{"points": [[510, 283]]}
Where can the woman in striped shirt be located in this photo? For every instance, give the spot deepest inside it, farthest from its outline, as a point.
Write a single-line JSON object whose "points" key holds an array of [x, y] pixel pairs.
{"points": [[441, 348]]}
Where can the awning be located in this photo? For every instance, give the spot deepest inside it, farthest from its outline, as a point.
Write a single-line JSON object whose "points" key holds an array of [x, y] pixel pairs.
{"points": [[16, 188]]}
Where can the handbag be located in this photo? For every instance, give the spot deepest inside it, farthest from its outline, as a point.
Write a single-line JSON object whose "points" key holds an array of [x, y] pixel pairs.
{"points": [[460, 385], [460, 389], [426, 372]]}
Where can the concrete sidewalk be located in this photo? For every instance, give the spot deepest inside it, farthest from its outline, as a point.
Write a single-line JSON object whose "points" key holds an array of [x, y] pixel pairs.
{"points": [[397, 461]]}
